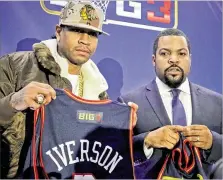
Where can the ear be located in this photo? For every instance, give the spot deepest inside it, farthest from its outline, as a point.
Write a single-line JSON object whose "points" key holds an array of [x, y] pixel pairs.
{"points": [[190, 59], [154, 60], [58, 32]]}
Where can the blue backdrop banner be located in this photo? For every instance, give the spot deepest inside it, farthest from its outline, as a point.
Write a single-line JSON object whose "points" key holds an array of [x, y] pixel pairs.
{"points": [[124, 57]]}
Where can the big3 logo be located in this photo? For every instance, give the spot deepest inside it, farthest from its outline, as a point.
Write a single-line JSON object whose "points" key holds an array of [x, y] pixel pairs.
{"points": [[149, 14]]}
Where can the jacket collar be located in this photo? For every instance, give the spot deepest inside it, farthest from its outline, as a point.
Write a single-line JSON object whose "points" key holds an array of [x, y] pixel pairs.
{"points": [[45, 58], [94, 81]]}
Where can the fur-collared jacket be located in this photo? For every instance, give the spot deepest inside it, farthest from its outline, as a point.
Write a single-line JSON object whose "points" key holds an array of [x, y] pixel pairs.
{"points": [[16, 71]]}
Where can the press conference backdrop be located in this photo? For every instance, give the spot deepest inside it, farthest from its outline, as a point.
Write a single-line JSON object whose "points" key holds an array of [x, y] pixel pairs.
{"points": [[124, 57]]}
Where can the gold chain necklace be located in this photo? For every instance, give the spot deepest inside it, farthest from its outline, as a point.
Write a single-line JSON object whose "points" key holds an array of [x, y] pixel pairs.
{"points": [[80, 85]]}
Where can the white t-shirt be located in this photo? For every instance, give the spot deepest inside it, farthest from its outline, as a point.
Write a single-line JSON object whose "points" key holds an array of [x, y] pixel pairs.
{"points": [[73, 80]]}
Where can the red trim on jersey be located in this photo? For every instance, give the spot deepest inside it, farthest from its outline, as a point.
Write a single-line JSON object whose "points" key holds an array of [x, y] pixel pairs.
{"points": [[186, 168], [179, 159], [86, 101], [36, 113], [185, 141], [191, 167], [41, 137], [163, 167]]}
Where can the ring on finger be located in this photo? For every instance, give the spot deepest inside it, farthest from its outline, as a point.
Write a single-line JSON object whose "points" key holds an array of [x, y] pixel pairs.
{"points": [[40, 99]]}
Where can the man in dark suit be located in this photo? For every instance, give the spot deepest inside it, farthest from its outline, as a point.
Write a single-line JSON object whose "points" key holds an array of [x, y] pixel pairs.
{"points": [[171, 105]]}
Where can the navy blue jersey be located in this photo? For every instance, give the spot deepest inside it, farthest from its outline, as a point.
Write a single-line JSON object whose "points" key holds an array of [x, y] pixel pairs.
{"points": [[184, 161], [75, 138]]}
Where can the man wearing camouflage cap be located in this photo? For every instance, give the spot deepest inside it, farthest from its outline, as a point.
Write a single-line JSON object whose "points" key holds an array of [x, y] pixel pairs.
{"points": [[28, 79]]}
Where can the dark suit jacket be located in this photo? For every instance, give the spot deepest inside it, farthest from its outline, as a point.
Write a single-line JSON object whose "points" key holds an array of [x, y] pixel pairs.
{"points": [[206, 110]]}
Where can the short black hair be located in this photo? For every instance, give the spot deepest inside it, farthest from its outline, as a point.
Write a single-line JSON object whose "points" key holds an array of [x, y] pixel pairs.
{"points": [[170, 32]]}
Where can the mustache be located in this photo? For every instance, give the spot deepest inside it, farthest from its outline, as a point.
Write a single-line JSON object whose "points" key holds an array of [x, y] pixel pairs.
{"points": [[175, 67], [83, 48]]}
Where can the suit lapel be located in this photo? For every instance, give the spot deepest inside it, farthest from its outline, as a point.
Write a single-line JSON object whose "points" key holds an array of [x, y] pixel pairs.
{"points": [[196, 100], [154, 98]]}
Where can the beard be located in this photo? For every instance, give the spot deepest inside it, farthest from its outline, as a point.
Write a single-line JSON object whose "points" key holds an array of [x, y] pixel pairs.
{"points": [[171, 80]]}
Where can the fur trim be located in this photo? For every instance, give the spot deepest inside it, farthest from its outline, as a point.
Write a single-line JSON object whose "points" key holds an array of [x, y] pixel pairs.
{"points": [[45, 58]]}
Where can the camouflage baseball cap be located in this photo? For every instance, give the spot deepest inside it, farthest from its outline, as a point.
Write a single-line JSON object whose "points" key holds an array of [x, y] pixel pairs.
{"points": [[82, 15]]}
